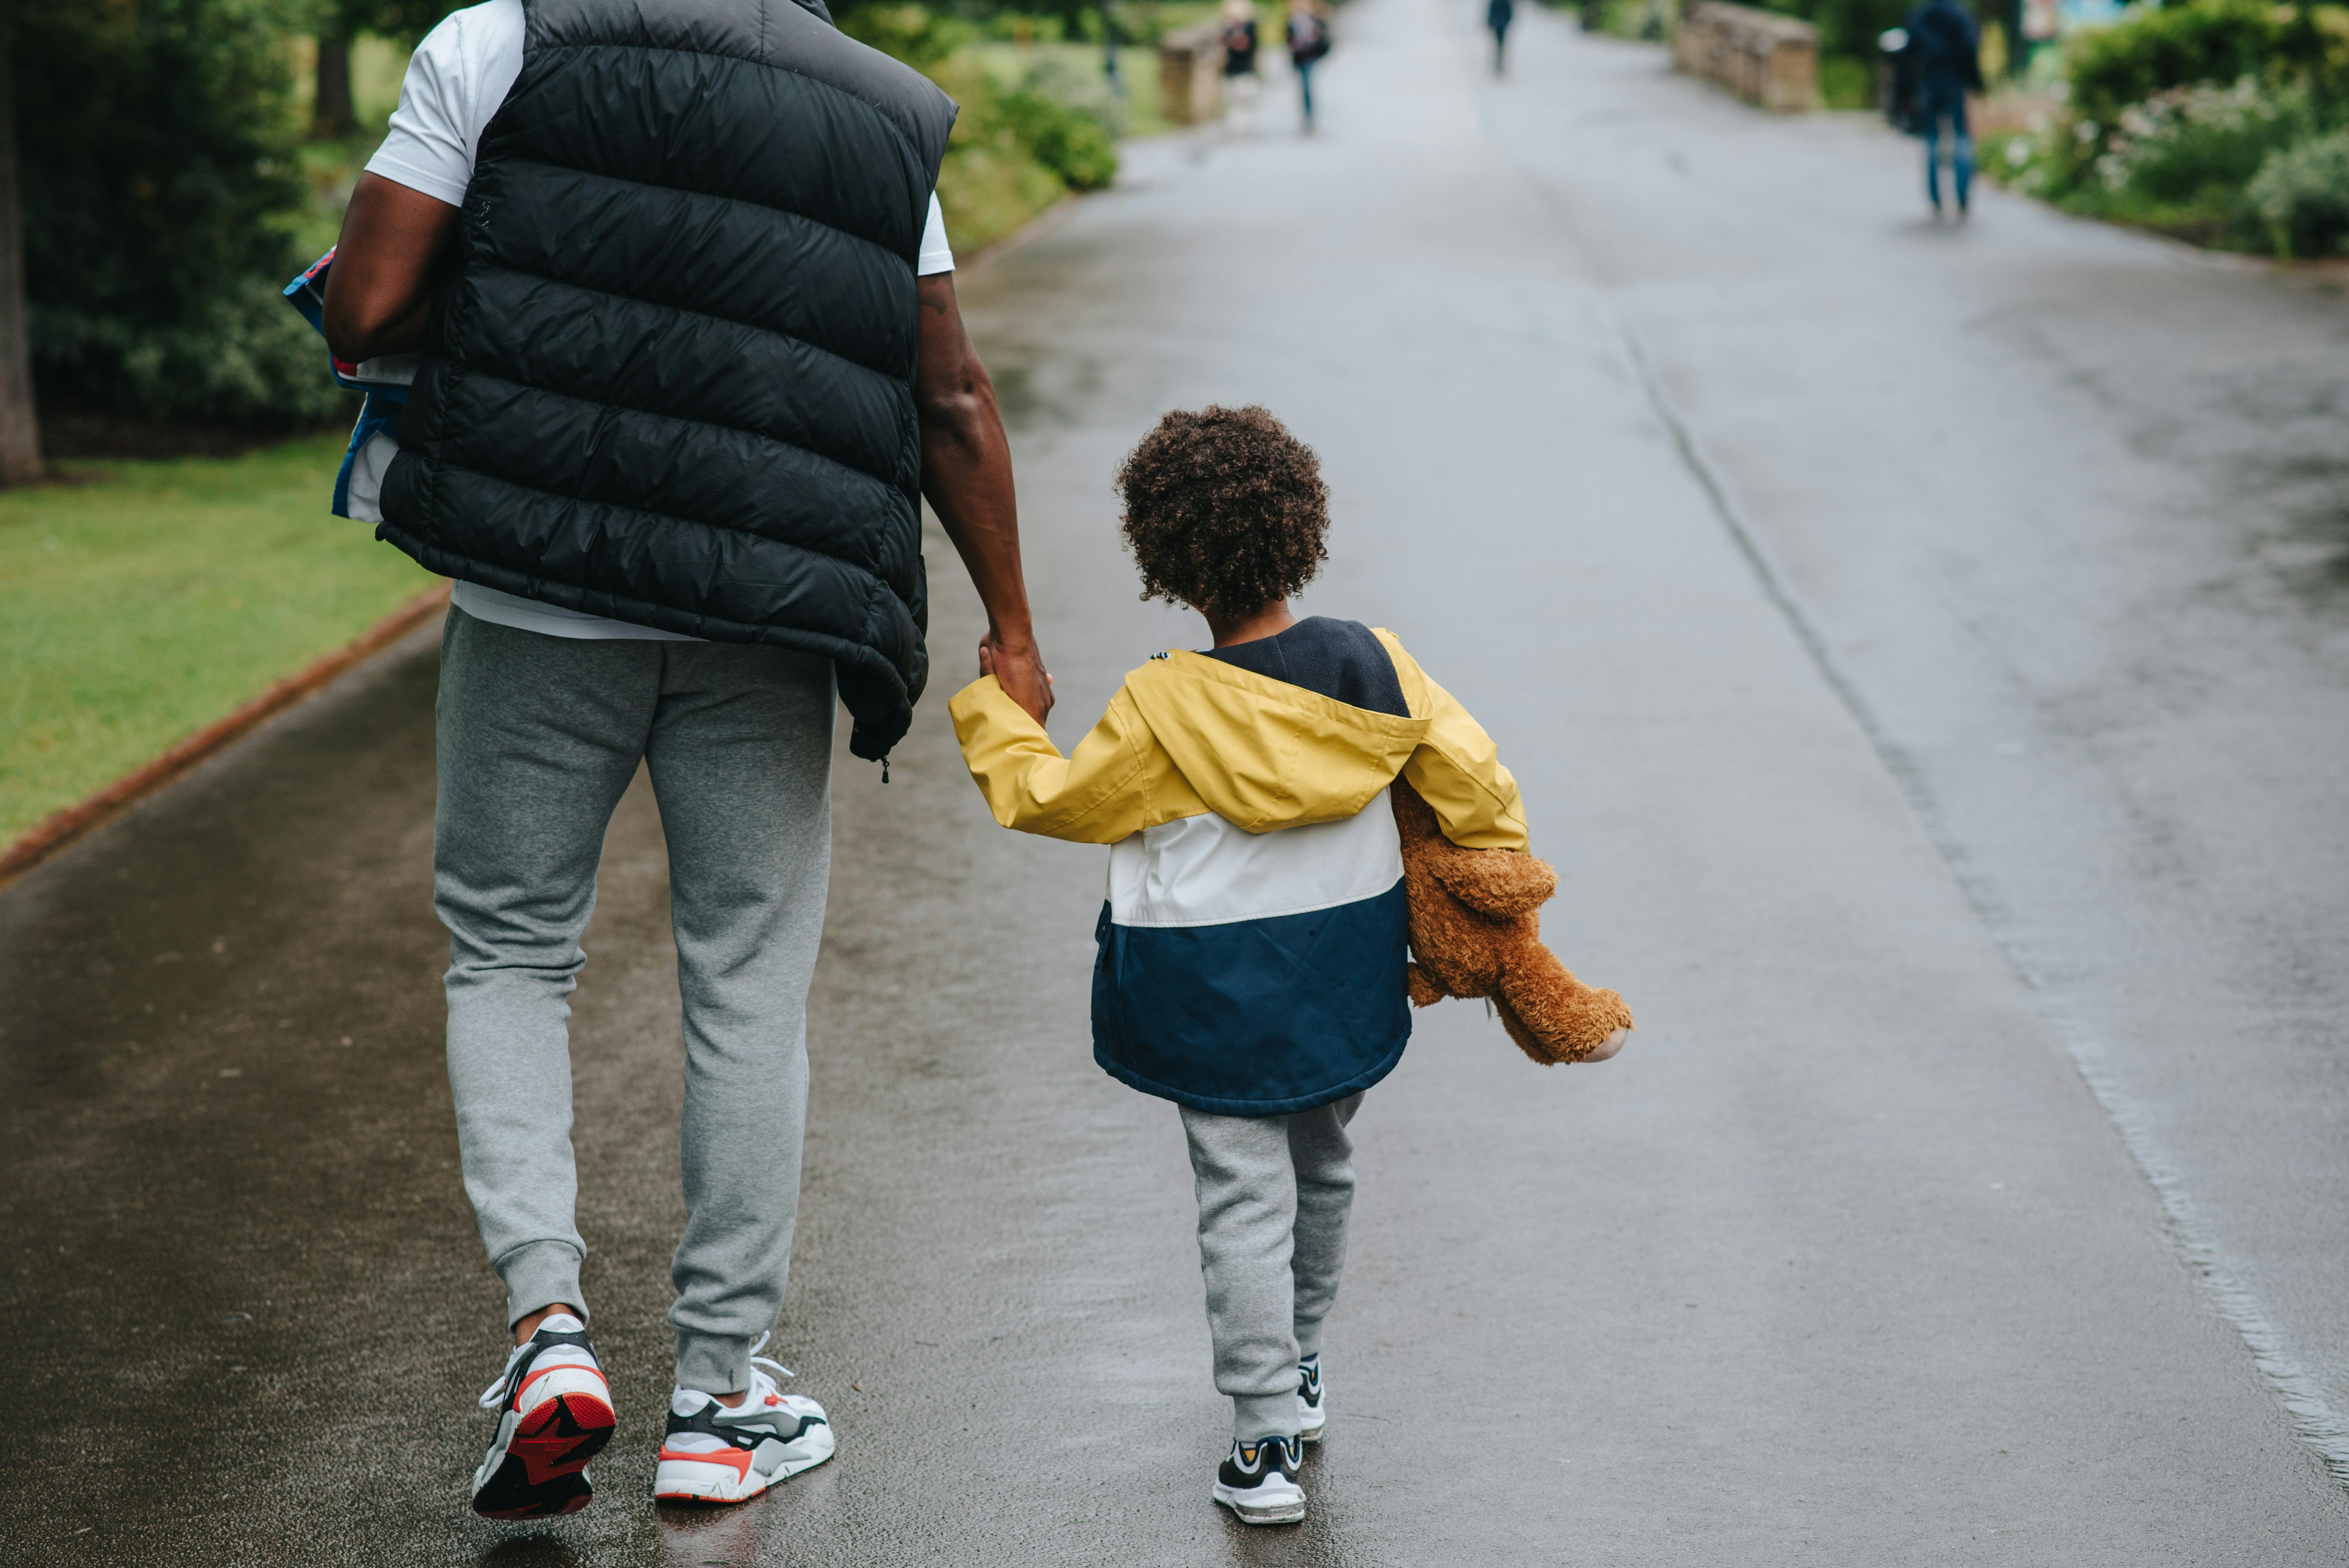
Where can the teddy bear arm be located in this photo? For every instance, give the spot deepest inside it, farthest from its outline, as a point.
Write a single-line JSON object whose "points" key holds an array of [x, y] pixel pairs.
{"points": [[1500, 884]]}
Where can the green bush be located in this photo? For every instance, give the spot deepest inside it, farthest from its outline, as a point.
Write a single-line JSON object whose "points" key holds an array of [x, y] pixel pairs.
{"points": [[2235, 167], [1071, 143], [1847, 27], [2201, 143], [1025, 27], [160, 193], [1142, 23], [2154, 49], [914, 34], [2302, 194], [1845, 82], [241, 358], [1016, 151]]}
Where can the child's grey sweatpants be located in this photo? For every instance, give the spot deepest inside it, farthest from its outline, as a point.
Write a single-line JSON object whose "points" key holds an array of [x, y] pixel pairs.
{"points": [[1273, 1194], [538, 737]]}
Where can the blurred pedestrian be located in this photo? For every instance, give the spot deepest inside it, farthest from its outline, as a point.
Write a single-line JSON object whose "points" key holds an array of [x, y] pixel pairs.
{"points": [[1252, 945], [1498, 14], [1945, 56], [1309, 40], [677, 529], [1240, 39]]}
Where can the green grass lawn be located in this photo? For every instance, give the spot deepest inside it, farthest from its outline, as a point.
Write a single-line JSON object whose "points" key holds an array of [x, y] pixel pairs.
{"points": [[142, 601]]}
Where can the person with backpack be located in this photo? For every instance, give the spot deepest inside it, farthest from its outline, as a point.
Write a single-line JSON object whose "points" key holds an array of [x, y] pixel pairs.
{"points": [[1943, 59], [1309, 40], [690, 362], [1239, 40]]}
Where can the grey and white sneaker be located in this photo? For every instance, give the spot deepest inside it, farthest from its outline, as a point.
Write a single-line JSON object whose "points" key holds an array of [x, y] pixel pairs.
{"points": [[1259, 1482], [714, 1454], [1312, 1415]]}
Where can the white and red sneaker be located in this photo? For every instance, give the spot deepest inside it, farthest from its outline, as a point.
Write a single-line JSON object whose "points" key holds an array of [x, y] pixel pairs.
{"points": [[720, 1453], [554, 1414]]}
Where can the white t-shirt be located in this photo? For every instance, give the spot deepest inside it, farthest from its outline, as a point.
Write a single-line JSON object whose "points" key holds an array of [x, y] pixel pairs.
{"points": [[456, 80]]}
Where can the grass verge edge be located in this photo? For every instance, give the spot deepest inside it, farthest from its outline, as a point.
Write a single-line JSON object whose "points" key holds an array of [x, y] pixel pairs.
{"points": [[62, 827]]}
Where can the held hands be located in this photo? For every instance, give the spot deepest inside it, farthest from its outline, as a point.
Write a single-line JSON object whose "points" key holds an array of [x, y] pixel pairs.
{"points": [[1019, 668]]}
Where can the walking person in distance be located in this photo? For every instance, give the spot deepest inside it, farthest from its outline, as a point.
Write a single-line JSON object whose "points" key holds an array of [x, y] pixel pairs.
{"points": [[1239, 40], [1498, 14], [1945, 53], [1308, 41], [689, 360]]}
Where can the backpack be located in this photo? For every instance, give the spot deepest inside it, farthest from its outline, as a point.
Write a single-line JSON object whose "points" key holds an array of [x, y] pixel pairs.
{"points": [[1896, 55], [1308, 38]]}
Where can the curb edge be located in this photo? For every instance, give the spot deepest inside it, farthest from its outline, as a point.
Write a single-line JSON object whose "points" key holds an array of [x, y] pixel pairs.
{"points": [[65, 827]]}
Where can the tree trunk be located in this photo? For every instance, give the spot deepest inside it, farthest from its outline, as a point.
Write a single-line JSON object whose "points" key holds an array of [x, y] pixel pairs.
{"points": [[20, 428], [332, 115]]}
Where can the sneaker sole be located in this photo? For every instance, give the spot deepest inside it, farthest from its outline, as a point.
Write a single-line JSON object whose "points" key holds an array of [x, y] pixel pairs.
{"points": [[543, 1473], [1313, 1434], [720, 1479], [1255, 1513]]}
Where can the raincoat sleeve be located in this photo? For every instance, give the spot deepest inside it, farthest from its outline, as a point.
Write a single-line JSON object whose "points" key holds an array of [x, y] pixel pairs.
{"points": [[1119, 780], [1456, 768]]}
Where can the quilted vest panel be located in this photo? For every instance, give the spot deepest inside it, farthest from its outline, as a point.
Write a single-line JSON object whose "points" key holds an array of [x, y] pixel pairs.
{"points": [[669, 370]]}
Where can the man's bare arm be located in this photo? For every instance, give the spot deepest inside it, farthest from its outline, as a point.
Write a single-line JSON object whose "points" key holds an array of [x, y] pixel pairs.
{"points": [[966, 476], [379, 294]]}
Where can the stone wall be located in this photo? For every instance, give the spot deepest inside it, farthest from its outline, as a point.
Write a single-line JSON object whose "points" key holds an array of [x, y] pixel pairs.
{"points": [[1762, 57], [1191, 74]]}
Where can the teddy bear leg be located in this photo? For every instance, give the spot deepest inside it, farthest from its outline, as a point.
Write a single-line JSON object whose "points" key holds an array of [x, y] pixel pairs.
{"points": [[1567, 1018]]}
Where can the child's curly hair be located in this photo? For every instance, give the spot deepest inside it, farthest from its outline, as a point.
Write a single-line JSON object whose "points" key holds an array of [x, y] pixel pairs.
{"points": [[1224, 510]]}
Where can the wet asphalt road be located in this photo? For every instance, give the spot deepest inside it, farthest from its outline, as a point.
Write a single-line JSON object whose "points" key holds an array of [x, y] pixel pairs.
{"points": [[2033, 757]]}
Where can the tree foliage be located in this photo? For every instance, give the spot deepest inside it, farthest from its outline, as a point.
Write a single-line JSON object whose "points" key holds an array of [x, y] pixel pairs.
{"points": [[157, 139], [1015, 149], [403, 21], [336, 23], [162, 190]]}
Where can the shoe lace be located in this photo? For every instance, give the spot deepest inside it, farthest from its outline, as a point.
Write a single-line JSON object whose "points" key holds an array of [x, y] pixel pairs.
{"points": [[759, 1361], [495, 1394]]}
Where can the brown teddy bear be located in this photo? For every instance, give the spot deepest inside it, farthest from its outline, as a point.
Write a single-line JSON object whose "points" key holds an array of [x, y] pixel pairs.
{"points": [[1474, 932]]}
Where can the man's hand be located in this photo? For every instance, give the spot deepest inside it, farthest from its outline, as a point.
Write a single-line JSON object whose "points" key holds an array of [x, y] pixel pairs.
{"points": [[1019, 672], [379, 293], [966, 477]]}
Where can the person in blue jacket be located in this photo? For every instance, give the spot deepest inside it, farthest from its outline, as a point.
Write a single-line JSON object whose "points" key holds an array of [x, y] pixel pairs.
{"points": [[1253, 940], [1945, 52], [1308, 41], [1498, 14]]}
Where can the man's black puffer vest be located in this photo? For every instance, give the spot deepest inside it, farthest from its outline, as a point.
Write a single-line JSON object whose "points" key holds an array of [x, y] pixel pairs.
{"points": [[669, 371]]}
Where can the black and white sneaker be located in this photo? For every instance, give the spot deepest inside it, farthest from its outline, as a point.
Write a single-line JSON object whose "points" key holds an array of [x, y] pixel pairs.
{"points": [[1259, 1482], [554, 1414], [1311, 1414], [720, 1453]]}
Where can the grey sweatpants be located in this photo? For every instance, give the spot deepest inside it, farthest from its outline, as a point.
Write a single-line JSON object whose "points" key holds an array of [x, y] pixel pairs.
{"points": [[538, 737], [1273, 1194]]}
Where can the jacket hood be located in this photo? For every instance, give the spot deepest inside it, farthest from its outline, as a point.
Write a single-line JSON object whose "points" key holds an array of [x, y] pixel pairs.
{"points": [[1264, 753]]}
